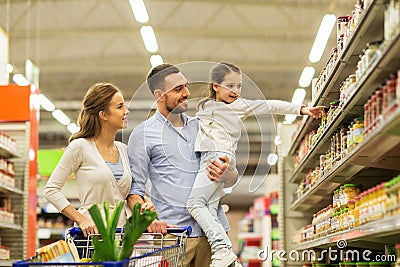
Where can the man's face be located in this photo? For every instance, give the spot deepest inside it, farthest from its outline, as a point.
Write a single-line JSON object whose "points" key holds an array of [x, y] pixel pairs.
{"points": [[175, 95]]}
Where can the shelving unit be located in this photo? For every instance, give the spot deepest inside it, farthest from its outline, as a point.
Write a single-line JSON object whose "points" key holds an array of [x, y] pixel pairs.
{"points": [[374, 160], [14, 235], [19, 119]]}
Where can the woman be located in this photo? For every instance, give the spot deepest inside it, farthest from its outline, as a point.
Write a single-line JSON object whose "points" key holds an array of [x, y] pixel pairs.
{"points": [[100, 164]]}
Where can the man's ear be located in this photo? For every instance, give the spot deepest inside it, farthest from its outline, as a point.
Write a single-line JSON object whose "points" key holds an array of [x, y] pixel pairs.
{"points": [[158, 94]]}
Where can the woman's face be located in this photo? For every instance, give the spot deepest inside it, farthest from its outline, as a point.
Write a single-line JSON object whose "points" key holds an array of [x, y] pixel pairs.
{"points": [[117, 114], [230, 88]]}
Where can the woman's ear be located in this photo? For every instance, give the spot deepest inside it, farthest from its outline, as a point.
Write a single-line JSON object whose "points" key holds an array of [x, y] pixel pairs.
{"points": [[102, 115]]}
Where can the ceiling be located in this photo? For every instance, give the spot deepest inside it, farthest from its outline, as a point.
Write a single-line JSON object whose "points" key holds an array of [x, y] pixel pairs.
{"points": [[77, 43]]}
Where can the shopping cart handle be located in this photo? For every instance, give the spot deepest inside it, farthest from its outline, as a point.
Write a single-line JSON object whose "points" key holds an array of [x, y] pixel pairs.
{"points": [[187, 229], [78, 231], [178, 230]]}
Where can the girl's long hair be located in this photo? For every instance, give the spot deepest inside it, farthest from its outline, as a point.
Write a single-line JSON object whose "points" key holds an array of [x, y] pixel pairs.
{"points": [[217, 76]]}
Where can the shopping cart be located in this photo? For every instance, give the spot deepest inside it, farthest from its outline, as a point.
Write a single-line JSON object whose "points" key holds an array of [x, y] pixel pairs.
{"points": [[150, 250]]}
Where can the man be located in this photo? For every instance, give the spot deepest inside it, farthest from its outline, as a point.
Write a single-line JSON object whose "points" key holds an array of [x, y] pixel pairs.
{"points": [[162, 148]]}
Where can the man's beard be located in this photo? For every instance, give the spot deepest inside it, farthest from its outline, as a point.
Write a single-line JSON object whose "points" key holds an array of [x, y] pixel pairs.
{"points": [[180, 108]]}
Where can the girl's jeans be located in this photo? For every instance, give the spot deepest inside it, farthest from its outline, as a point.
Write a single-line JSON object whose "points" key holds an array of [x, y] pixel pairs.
{"points": [[203, 203]]}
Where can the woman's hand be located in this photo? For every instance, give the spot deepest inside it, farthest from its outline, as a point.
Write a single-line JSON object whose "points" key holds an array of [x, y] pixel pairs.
{"points": [[148, 205], [88, 227]]}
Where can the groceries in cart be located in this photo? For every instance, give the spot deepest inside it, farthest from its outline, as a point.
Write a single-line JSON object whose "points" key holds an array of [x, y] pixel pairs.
{"points": [[129, 246]]}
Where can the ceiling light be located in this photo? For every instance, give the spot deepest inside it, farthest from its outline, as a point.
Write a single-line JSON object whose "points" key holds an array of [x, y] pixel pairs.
{"points": [[149, 38], [139, 11], [306, 76], [322, 37], [9, 68], [46, 103], [61, 117], [298, 96], [156, 60], [20, 80], [272, 159], [73, 128]]}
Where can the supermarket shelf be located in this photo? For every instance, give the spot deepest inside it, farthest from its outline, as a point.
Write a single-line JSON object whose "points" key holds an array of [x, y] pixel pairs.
{"points": [[10, 189], [365, 32], [250, 236], [6, 263], [378, 72], [46, 233], [380, 149], [372, 232], [5, 225], [7, 152]]}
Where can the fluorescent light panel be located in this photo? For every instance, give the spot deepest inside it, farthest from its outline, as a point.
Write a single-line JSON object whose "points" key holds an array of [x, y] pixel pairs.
{"points": [[289, 118], [298, 96], [139, 10], [306, 76], [149, 38], [61, 117], [46, 103], [156, 60], [73, 128], [322, 37], [20, 80], [9, 68]]}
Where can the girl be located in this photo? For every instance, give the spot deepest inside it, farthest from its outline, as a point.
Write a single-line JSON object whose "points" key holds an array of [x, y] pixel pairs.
{"points": [[221, 115]]}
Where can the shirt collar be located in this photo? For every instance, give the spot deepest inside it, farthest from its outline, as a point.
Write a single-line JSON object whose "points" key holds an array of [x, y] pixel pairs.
{"points": [[162, 118]]}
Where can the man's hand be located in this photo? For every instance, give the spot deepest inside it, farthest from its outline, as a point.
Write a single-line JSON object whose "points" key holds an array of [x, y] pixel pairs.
{"points": [[159, 227], [221, 171], [315, 112]]}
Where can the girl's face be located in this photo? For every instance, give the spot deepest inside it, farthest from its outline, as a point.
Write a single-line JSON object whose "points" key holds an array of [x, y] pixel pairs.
{"points": [[229, 89]]}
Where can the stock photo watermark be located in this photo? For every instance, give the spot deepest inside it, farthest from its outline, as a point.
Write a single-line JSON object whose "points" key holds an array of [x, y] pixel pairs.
{"points": [[338, 253]]}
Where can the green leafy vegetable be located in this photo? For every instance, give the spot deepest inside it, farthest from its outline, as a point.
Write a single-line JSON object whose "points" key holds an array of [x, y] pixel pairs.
{"points": [[134, 227], [106, 248]]}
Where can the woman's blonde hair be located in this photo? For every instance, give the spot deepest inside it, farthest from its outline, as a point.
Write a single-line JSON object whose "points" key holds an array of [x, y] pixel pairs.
{"points": [[97, 98]]}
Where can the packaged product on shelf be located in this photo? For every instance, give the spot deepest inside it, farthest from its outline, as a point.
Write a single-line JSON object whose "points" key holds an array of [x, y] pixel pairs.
{"points": [[398, 88], [341, 25], [389, 99], [4, 253]]}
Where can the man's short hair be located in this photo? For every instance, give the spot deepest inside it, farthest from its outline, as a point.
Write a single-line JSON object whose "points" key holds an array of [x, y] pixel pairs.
{"points": [[156, 76]]}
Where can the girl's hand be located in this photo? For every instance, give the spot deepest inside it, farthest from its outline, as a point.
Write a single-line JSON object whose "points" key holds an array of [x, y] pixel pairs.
{"points": [[315, 112]]}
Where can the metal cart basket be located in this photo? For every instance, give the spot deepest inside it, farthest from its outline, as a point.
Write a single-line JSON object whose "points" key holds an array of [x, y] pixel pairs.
{"points": [[150, 250]]}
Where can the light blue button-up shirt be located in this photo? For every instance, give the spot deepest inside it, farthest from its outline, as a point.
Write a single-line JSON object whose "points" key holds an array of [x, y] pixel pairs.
{"points": [[159, 151]]}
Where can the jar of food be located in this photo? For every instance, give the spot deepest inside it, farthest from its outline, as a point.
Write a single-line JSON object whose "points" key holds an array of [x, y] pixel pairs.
{"points": [[379, 101], [343, 141], [371, 53], [358, 131], [391, 92], [350, 214], [350, 191], [357, 204], [331, 112]]}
